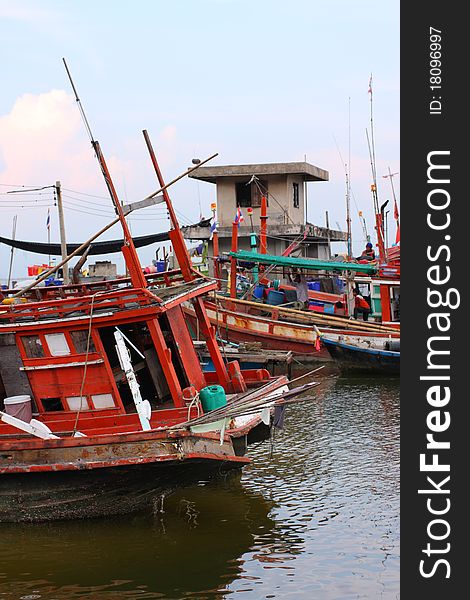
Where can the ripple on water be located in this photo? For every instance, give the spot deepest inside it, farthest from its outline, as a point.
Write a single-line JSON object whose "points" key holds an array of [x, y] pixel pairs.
{"points": [[315, 516]]}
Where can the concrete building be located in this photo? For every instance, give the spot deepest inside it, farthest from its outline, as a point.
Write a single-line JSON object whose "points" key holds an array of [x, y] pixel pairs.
{"points": [[285, 187], [103, 269]]}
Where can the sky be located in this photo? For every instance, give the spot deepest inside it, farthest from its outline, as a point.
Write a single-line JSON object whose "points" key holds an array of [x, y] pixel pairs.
{"points": [[257, 81]]}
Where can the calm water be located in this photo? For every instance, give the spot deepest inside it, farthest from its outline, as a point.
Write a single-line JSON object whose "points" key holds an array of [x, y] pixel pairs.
{"points": [[315, 516]]}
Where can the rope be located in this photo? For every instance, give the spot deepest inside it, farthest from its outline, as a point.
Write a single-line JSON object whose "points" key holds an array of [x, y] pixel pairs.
{"points": [[86, 363]]}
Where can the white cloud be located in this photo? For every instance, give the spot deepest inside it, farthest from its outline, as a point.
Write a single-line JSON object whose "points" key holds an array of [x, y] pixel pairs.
{"points": [[42, 141], [24, 11]]}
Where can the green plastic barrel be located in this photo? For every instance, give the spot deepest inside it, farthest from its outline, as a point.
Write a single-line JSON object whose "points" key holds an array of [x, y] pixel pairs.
{"points": [[212, 397]]}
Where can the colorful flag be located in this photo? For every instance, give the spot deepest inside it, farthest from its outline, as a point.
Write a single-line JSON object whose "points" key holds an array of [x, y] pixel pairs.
{"points": [[239, 218], [213, 229], [48, 220], [395, 211]]}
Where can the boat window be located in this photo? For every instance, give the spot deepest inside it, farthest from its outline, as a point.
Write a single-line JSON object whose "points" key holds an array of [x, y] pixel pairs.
{"points": [[52, 404], [75, 404], [33, 346], [57, 343], [103, 400], [80, 341]]}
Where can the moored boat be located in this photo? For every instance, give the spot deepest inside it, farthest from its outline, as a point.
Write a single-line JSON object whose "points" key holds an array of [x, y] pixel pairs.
{"points": [[102, 393], [377, 356]]}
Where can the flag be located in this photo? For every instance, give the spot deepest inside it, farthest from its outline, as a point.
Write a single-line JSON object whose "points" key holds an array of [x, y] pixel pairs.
{"points": [[48, 220], [396, 216], [239, 218], [213, 229], [370, 85]]}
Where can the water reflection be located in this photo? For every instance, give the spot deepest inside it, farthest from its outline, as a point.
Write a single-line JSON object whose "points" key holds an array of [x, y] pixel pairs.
{"points": [[314, 516], [334, 480], [193, 548]]}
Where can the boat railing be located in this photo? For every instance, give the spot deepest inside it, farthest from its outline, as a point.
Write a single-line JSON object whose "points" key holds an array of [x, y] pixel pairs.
{"points": [[103, 300], [85, 288]]}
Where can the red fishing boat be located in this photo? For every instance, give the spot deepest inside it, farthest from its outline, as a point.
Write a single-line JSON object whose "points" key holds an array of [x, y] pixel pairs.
{"points": [[102, 393]]}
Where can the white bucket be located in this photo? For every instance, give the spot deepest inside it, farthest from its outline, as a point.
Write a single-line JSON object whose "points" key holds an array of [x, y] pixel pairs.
{"points": [[19, 407]]}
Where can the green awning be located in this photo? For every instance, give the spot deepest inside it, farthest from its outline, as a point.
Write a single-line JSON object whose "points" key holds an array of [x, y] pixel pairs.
{"points": [[311, 264]]}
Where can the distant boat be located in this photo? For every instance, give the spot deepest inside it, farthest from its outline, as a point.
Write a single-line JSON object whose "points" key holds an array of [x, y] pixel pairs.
{"points": [[375, 356]]}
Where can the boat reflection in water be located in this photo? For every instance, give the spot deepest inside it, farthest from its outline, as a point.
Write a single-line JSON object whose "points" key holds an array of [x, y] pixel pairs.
{"points": [[194, 547], [314, 516]]}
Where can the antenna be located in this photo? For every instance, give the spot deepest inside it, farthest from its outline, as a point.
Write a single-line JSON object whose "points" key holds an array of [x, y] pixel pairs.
{"points": [[130, 254], [348, 184]]}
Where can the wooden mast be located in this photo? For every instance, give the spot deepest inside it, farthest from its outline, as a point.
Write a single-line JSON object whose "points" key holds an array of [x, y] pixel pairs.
{"points": [[184, 261], [233, 262], [129, 251]]}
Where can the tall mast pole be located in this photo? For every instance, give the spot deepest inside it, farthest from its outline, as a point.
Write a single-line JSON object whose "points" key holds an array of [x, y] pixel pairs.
{"points": [[129, 251], [348, 184], [184, 261], [379, 224], [348, 217], [391, 176], [176, 236]]}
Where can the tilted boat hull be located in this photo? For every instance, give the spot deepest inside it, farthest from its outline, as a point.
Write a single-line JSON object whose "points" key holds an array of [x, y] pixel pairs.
{"points": [[81, 477], [354, 358], [99, 492]]}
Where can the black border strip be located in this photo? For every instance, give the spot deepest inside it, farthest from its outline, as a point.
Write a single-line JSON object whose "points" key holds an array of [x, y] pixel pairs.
{"points": [[434, 213]]}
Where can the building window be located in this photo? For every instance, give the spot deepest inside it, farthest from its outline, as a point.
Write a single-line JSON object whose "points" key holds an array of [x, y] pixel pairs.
{"points": [[249, 195], [243, 194], [295, 194]]}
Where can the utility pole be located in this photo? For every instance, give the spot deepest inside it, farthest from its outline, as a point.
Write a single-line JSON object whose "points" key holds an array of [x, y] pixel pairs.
{"points": [[63, 243], [13, 237]]}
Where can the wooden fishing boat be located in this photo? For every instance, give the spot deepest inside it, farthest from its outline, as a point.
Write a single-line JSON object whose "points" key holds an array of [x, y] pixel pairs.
{"points": [[377, 356], [282, 327], [101, 388], [278, 327]]}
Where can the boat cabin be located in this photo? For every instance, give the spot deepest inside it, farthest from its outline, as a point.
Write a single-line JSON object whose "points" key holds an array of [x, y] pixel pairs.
{"points": [[62, 352]]}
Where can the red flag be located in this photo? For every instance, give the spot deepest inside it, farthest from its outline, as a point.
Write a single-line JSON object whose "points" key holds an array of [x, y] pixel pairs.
{"points": [[397, 238], [395, 211]]}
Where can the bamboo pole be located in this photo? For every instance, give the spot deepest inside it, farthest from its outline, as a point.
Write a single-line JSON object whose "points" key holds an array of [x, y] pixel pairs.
{"points": [[49, 272], [318, 318], [100, 232]]}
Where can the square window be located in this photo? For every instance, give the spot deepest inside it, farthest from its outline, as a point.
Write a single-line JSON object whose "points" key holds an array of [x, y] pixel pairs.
{"points": [[74, 402], [80, 341], [52, 404], [33, 346], [103, 401], [57, 343]]}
